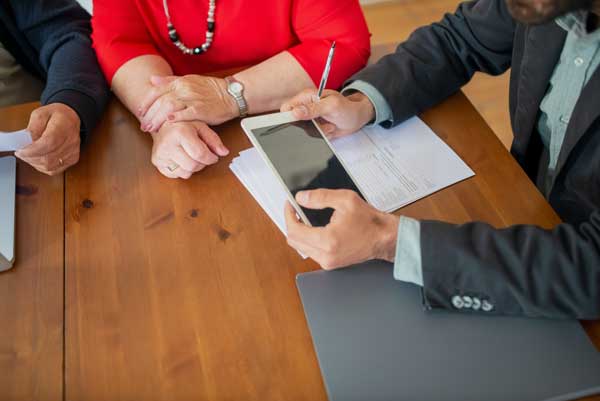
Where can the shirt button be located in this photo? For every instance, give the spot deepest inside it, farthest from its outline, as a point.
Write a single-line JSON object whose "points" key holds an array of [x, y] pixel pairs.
{"points": [[578, 62], [467, 301], [476, 303], [564, 119], [457, 302], [486, 306]]}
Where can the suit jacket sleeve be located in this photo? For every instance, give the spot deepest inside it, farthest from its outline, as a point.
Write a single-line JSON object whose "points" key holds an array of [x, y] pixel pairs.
{"points": [[439, 59], [521, 270], [60, 32]]}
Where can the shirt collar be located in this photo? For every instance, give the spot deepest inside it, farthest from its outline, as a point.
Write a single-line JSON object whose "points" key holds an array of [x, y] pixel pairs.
{"points": [[576, 22]]}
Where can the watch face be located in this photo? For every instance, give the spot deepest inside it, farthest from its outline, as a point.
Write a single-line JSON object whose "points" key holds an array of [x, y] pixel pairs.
{"points": [[236, 87]]}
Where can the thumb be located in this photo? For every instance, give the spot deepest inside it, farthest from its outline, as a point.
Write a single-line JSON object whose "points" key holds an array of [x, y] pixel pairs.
{"points": [[157, 80], [325, 198]]}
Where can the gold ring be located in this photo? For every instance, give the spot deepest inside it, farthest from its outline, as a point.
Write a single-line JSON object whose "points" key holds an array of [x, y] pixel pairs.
{"points": [[172, 167]]}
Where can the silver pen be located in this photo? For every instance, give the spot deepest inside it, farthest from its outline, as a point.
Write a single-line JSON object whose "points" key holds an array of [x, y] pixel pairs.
{"points": [[326, 70]]}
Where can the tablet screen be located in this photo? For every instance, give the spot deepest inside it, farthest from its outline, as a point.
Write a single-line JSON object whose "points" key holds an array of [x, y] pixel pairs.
{"points": [[304, 160]]}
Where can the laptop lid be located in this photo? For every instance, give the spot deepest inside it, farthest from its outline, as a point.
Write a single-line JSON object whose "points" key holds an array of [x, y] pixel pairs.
{"points": [[8, 178], [375, 342]]}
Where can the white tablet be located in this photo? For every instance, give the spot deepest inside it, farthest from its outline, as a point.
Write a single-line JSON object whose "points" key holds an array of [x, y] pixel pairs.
{"points": [[301, 157]]}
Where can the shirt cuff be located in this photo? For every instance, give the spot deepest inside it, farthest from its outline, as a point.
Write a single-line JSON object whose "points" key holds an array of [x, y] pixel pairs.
{"points": [[407, 264], [383, 112]]}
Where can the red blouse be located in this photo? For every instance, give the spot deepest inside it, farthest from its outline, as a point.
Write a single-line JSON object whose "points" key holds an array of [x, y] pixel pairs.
{"points": [[246, 33]]}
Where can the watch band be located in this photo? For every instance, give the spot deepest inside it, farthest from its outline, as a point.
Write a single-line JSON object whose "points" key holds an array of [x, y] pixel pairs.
{"points": [[236, 90]]}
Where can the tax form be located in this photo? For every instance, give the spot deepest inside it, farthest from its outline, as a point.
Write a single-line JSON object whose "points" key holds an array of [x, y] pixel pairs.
{"points": [[396, 167], [391, 167]]}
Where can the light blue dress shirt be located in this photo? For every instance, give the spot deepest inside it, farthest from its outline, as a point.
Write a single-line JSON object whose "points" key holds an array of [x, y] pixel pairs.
{"points": [[578, 61]]}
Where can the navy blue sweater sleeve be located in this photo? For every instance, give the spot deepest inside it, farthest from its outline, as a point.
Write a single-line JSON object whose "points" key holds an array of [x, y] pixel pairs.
{"points": [[60, 32]]}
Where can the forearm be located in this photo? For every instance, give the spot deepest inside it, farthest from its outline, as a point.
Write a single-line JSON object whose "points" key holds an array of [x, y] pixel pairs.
{"points": [[268, 84], [132, 81]]}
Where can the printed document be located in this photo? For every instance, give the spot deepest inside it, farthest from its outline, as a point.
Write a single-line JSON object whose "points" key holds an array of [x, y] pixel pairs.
{"points": [[391, 167]]}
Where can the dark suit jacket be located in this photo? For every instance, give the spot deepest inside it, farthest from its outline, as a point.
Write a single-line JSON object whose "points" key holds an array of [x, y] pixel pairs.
{"points": [[51, 40], [521, 270]]}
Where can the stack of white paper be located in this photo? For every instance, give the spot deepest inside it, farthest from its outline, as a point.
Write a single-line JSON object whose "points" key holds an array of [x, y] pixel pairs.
{"points": [[392, 168]]}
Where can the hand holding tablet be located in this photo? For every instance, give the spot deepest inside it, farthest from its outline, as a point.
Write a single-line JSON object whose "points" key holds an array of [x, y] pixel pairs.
{"points": [[301, 157]]}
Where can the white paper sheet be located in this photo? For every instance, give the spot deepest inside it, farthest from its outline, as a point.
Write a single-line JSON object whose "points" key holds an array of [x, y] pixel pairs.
{"points": [[392, 168], [12, 141], [396, 167]]}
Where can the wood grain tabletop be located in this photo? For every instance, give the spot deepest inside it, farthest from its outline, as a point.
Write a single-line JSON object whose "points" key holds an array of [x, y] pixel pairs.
{"points": [[31, 294], [185, 290]]}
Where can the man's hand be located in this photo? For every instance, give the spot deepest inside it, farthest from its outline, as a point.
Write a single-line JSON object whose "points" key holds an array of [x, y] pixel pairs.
{"points": [[337, 115], [357, 232], [187, 98], [183, 148], [55, 132]]}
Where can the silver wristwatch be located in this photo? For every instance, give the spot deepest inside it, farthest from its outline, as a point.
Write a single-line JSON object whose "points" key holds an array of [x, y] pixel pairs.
{"points": [[236, 89]]}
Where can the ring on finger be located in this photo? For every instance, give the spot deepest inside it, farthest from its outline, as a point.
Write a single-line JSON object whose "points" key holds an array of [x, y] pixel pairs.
{"points": [[172, 167]]}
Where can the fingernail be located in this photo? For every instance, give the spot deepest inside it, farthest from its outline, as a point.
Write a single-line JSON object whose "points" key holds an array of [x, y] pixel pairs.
{"points": [[302, 197], [223, 151]]}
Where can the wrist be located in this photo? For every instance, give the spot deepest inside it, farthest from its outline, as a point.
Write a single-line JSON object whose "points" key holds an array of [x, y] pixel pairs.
{"points": [[385, 245], [232, 109], [365, 109]]}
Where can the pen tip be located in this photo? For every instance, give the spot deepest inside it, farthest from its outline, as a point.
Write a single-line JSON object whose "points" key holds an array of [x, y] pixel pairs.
{"points": [[333, 45]]}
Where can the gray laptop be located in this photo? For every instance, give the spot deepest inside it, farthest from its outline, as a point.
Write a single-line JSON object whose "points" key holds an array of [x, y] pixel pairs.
{"points": [[8, 177], [374, 342]]}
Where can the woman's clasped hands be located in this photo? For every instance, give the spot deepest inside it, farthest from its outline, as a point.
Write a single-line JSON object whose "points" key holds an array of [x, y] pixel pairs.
{"points": [[177, 112]]}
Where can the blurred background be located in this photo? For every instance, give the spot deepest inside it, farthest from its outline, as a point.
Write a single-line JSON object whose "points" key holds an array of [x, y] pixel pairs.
{"points": [[392, 21]]}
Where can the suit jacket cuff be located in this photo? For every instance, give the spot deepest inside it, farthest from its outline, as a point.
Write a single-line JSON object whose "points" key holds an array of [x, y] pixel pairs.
{"points": [[383, 112], [407, 264]]}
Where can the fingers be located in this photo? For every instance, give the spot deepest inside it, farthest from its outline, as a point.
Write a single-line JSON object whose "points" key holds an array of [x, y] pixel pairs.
{"points": [[211, 139], [307, 105], [50, 140], [166, 172], [37, 122], [196, 149], [299, 233], [338, 199], [185, 162], [187, 114], [56, 162], [304, 97], [159, 111], [185, 167], [314, 242], [151, 97]]}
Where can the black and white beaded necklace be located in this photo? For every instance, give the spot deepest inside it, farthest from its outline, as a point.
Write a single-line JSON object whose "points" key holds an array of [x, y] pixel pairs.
{"points": [[210, 30]]}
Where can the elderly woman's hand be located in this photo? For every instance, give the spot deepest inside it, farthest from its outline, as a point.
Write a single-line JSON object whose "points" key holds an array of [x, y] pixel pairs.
{"points": [[184, 148], [187, 98]]}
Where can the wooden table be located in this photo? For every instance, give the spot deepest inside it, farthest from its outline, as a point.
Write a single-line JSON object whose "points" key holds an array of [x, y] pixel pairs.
{"points": [[185, 290], [31, 294]]}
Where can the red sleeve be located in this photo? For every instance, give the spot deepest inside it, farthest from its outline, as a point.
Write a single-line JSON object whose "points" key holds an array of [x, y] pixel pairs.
{"points": [[319, 22], [119, 34]]}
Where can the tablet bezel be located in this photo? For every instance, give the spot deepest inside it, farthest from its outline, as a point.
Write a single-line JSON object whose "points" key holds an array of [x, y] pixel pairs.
{"points": [[270, 120]]}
